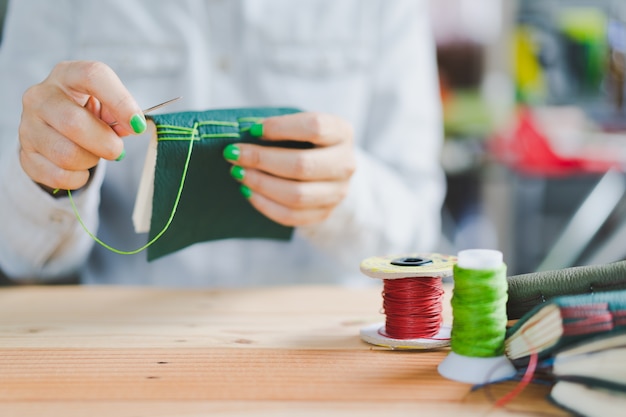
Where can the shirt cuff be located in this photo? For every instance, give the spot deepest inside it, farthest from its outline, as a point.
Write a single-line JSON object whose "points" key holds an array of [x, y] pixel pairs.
{"points": [[38, 231]]}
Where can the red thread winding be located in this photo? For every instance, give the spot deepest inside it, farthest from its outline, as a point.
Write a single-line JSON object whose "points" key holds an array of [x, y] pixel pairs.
{"points": [[413, 307]]}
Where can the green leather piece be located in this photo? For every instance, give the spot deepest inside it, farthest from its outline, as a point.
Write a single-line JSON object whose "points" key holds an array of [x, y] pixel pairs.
{"points": [[211, 206], [528, 290]]}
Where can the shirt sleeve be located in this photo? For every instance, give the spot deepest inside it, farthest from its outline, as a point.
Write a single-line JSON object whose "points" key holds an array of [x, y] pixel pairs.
{"points": [[395, 197], [39, 235], [40, 238]]}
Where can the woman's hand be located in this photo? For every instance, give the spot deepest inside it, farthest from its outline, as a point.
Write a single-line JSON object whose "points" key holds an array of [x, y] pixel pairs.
{"points": [[296, 187], [65, 127]]}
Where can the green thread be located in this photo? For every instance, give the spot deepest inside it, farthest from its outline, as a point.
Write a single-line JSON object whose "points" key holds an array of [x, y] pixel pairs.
{"points": [[173, 127], [204, 136], [177, 138], [219, 135], [172, 131], [250, 119], [191, 139], [218, 123], [182, 131], [479, 307], [185, 133]]}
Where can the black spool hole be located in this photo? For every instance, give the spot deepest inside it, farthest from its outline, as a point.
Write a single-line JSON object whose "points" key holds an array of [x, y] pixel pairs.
{"points": [[411, 261]]}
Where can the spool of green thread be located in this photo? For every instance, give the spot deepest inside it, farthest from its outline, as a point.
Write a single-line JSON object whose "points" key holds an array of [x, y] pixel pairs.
{"points": [[479, 305], [479, 319]]}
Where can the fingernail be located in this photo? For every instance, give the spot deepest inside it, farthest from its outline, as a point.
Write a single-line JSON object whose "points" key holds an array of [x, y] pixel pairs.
{"points": [[138, 123], [122, 155], [246, 191], [232, 152], [237, 172], [256, 130]]}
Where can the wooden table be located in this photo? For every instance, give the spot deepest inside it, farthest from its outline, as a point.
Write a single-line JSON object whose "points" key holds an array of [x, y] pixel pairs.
{"points": [[110, 351]]}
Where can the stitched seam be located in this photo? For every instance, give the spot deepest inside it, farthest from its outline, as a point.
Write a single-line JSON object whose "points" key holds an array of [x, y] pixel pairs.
{"points": [[218, 123], [183, 132], [249, 121], [219, 135]]}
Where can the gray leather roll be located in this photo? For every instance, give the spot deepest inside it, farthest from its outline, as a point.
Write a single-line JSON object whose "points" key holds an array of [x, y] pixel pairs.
{"points": [[529, 290]]}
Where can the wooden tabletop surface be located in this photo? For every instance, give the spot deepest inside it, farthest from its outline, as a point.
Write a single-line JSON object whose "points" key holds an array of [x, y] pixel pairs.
{"points": [[129, 352]]}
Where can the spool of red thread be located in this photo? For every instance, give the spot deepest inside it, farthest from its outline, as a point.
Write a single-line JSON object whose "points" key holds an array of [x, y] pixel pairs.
{"points": [[412, 300]]}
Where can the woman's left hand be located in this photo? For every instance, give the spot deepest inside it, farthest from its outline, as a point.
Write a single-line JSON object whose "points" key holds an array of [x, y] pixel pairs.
{"points": [[296, 187]]}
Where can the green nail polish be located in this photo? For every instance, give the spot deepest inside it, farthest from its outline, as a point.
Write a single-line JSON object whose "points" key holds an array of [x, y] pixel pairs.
{"points": [[256, 130], [122, 155], [246, 191], [138, 123], [232, 152], [237, 172]]}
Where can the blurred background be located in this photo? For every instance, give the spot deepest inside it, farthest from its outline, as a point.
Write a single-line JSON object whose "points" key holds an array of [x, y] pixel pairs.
{"points": [[534, 115], [533, 95]]}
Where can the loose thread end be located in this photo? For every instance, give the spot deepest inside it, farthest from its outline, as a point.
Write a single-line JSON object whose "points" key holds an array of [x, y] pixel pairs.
{"points": [[523, 383], [191, 139]]}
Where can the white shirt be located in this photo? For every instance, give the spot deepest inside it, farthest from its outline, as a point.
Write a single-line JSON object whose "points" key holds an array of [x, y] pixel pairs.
{"points": [[370, 62]]}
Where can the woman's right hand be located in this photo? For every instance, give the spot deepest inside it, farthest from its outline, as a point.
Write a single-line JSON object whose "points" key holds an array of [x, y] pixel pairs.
{"points": [[66, 123]]}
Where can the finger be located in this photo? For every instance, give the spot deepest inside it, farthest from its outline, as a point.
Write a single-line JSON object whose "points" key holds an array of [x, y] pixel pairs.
{"points": [[94, 106], [71, 120], [294, 194], [285, 215], [99, 80], [56, 148], [317, 128], [317, 164], [43, 171]]}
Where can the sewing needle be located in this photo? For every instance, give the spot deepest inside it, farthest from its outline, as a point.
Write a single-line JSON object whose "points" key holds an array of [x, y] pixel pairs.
{"points": [[153, 108]]}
